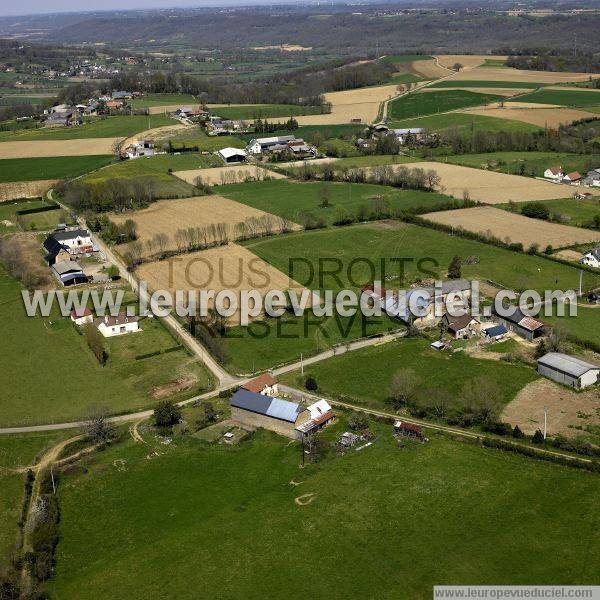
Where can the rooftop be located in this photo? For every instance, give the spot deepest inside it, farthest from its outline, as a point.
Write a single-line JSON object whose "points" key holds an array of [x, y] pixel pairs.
{"points": [[566, 364]]}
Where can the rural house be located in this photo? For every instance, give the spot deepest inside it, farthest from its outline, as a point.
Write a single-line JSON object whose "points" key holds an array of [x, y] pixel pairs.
{"points": [[139, 148], [256, 410], [591, 258], [592, 178], [82, 317], [121, 324], [417, 134], [232, 155], [568, 370], [460, 327], [521, 324], [122, 95], [264, 384], [69, 272], [280, 143], [573, 178], [321, 415], [55, 251], [554, 173], [74, 241]]}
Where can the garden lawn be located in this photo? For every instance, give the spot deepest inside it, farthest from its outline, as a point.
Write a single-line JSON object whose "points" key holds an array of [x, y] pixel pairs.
{"points": [[298, 255], [266, 344], [525, 163], [56, 167], [41, 355], [566, 97], [585, 326], [364, 376], [406, 58], [465, 122], [98, 127], [384, 519], [289, 199], [429, 103], [11, 486]]}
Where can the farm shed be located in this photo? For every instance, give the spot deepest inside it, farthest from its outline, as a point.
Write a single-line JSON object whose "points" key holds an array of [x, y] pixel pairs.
{"points": [[568, 370], [496, 333], [321, 415], [69, 272], [264, 384], [232, 155], [255, 410], [521, 324]]}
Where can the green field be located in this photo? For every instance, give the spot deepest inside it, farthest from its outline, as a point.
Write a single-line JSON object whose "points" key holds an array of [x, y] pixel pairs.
{"points": [[450, 83], [119, 126], [494, 62], [11, 485], [12, 100], [265, 344], [55, 167], [363, 377], [406, 78], [585, 326], [572, 98], [315, 134], [194, 136], [164, 100], [389, 522], [579, 212], [405, 58], [157, 167], [289, 199], [377, 241], [56, 378], [430, 103], [525, 163], [266, 111], [465, 122]]}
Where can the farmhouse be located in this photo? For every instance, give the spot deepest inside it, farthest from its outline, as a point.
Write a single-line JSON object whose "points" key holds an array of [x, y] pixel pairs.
{"points": [[417, 134], [423, 300], [55, 251], [121, 324], [460, 327], [593, 178], [521, 324], [591, 258], [139, 148], [114, 104], [264, 384], [321, 415], [69, 272], [568, 370], [573, 178], [122, 95], [554, 173], [76, 241], [232, 155], [82, 317], [280, 143], [256, 410]]}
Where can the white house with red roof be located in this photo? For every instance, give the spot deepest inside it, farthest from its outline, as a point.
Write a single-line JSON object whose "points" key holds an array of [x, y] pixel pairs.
{"points": [[82, 316], [554, 173]]}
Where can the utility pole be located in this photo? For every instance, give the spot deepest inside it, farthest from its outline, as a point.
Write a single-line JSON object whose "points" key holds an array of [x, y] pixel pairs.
{"points": [[545, 421], [301, 365], [52, 476], [580, 282]]}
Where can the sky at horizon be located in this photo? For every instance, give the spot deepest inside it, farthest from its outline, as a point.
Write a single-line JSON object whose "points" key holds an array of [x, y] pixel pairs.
{"points": [[39, 7]]}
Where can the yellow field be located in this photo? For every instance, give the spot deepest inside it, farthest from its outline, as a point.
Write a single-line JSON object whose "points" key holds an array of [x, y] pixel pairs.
{"points": [[156, 134], [491, 187], [429, 69], [360, 104], [541, 115], [25, 189], [229, 267], [46, 148], [509, 74], [231, 174], [169, 216], [513, 228]]}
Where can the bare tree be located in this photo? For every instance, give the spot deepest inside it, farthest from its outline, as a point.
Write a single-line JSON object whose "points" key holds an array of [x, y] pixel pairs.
{"points": [[98, 427], [404, 387]]}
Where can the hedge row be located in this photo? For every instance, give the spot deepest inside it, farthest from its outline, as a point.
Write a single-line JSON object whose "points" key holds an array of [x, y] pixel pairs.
{"points": [[41, 209], [157, 352]]}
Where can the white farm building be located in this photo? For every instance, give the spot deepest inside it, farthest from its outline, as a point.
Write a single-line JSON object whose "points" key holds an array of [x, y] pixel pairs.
{"points": [[568, 370]]}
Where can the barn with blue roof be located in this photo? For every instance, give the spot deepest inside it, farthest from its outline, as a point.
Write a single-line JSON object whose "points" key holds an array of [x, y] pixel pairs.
{"points": [[250, 409]]}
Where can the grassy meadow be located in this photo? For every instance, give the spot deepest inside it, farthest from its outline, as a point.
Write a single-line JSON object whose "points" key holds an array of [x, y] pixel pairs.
{"points": [[451, 83], [430, 103], [98, 127], [290, 199], [566, 97], [426, 253], [56, 378], [525, 163], [411, 517], [465, 122], [150, 100], [266, 111], [363, 377], [55, 167], [577, 212]]}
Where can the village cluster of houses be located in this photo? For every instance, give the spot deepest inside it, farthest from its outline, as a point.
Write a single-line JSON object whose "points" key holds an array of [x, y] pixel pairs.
{"points": [[556, 174], [281, 144], [414, 135], [62, 248]]}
